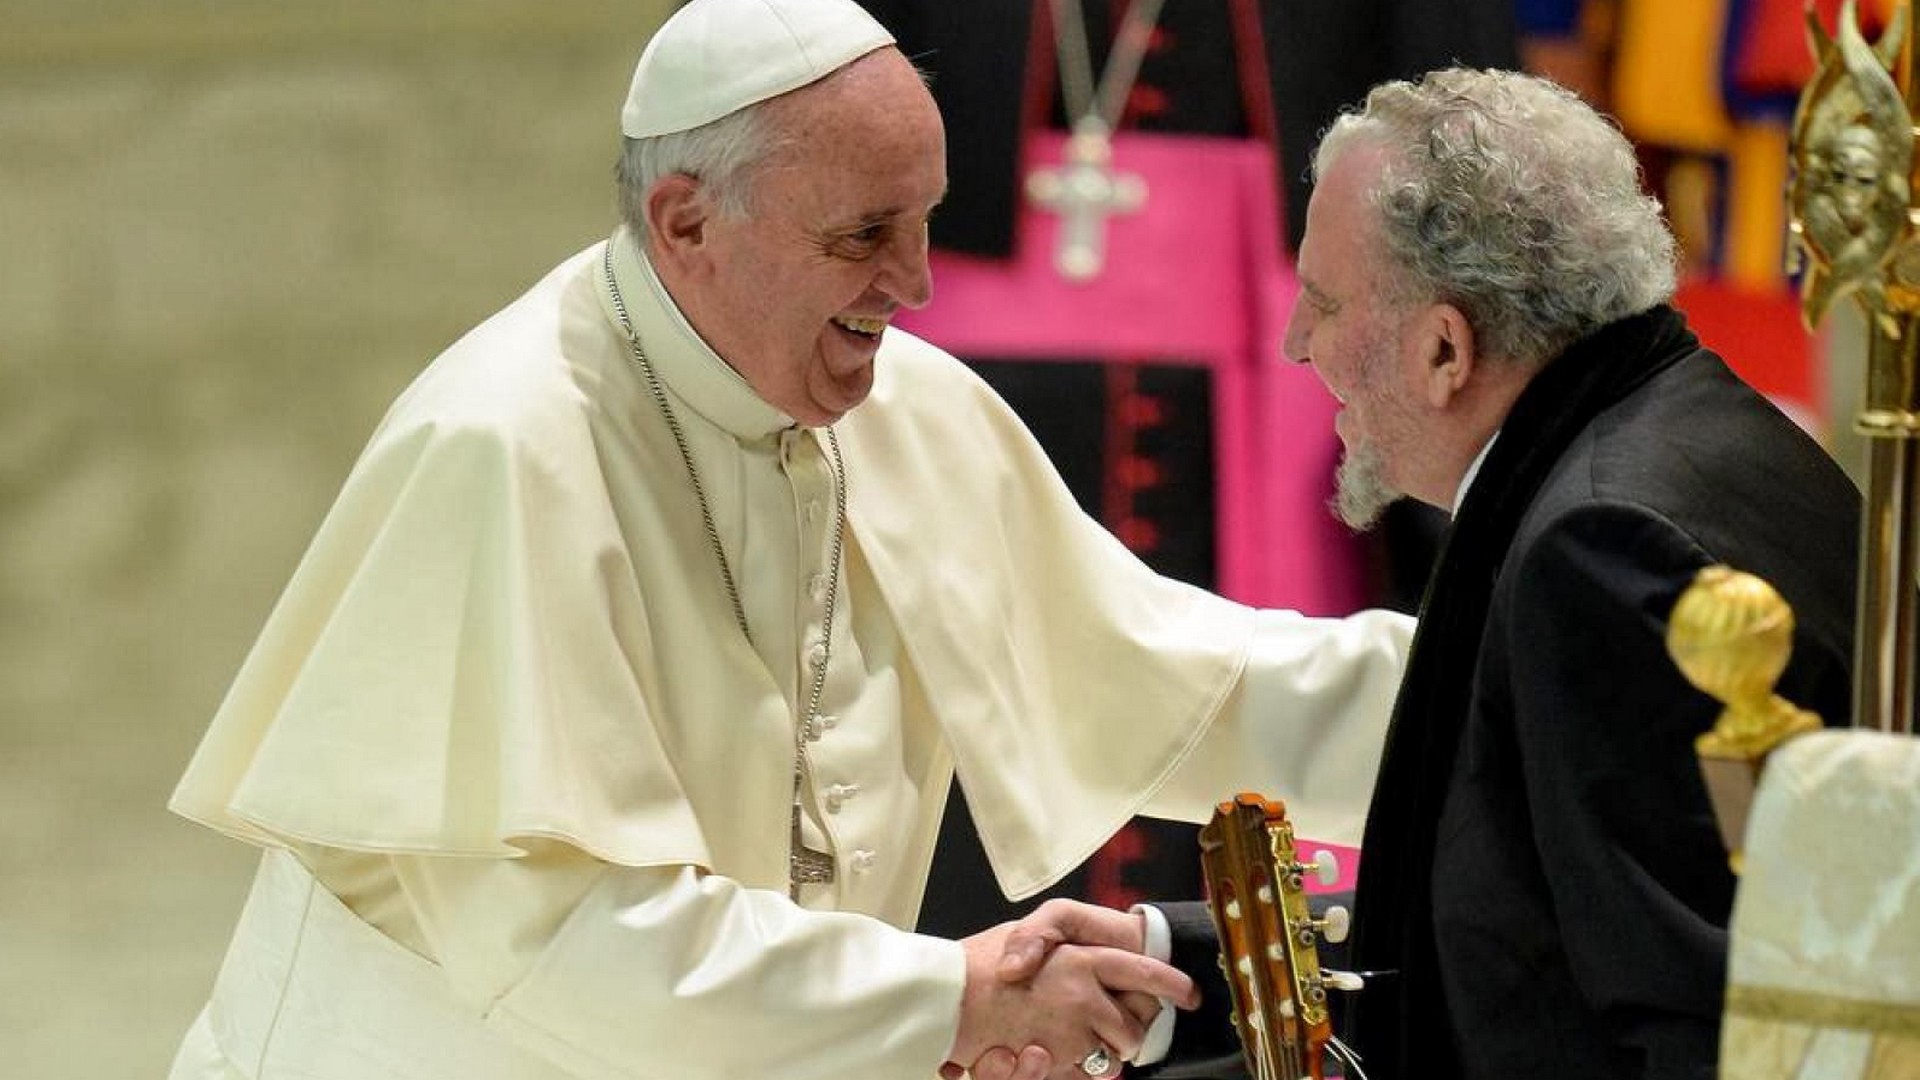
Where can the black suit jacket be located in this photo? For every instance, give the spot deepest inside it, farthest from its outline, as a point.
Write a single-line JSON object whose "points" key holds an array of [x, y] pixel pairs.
{"points": [[1573, 923]]}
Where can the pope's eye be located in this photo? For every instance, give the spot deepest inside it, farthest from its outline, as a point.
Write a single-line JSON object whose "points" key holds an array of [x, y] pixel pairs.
{"points": [[858, 243]]}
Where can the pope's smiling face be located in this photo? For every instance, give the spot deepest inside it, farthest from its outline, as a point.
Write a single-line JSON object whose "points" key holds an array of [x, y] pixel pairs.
{"points": [[797, 293]]}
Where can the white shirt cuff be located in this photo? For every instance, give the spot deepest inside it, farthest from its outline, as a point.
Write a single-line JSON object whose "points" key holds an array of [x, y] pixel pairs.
{"points": [[1159, 946]]}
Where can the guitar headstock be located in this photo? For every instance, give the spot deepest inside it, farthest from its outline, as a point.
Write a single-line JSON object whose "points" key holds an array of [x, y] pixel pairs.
{"points": [[1269, 940]]}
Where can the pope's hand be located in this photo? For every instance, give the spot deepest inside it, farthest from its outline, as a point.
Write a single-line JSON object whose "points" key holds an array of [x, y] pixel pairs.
{"points": [[1057, 1000], [1068, 922], [1000, 1063]]}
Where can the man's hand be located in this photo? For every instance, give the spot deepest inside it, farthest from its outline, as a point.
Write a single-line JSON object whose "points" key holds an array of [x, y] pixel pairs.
{"points": [[1067, 922], [1079, 999], [1098, 991]]}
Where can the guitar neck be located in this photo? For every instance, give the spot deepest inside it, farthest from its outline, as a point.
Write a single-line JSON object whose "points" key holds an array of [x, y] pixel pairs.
{"points": [[1268, 938]]}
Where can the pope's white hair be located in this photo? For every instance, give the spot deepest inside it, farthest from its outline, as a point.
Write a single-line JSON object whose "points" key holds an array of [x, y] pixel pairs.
{"points": [[721, 155], [1508, 197]]}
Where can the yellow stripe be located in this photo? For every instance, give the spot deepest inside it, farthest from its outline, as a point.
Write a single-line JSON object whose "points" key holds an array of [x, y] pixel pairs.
{"points": [[1756, 220], [1823, 1010], [1666, 73]]}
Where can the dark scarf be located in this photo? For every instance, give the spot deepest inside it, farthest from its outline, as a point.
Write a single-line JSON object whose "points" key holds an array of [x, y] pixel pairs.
{"points": [[1400, 1023]]}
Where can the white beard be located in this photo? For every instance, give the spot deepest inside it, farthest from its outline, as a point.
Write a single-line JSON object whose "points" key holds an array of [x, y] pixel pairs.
{"points": [[1361, 493]]}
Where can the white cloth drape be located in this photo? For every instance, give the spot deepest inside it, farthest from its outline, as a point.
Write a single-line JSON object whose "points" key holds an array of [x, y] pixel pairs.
{"points": [[1823, 976]]}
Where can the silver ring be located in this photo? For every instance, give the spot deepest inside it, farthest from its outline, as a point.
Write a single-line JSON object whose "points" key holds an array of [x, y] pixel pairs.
{"points": [[1098, 1062]]}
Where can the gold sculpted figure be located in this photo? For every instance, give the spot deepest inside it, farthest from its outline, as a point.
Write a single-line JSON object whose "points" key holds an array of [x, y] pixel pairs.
{"points": [[1852, 154]]}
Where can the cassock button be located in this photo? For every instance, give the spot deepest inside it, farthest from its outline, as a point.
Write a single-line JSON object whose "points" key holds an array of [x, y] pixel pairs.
{"points": [[817, 654], [829, 722], [863, 861], [838, 794]]}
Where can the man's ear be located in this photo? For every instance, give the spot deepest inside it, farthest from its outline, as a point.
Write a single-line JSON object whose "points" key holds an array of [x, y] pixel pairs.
{"points": [[1450, 357], [677, 218]]}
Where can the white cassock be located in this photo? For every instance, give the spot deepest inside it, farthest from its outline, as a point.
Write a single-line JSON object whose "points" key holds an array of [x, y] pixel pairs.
{"points": [[505, 713]]}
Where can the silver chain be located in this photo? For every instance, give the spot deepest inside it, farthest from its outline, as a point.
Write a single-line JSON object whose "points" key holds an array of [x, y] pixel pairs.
{"points": [[809, 729], [809, 725], [659, 393], [1123, 63]]}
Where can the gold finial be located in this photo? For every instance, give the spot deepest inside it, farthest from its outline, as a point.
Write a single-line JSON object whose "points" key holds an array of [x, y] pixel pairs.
{"points": [[1730, 634]]}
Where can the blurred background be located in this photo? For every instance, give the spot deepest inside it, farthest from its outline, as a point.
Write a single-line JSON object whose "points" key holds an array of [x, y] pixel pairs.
{"points": [[232, 230]]}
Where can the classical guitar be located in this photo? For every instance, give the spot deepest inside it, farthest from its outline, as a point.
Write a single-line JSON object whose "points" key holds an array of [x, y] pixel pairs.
{"points": [[1269, 940]]}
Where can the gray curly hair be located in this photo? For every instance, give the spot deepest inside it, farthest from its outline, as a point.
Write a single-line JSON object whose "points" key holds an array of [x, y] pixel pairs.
{"points": [[721, 154], [1508, 197]]}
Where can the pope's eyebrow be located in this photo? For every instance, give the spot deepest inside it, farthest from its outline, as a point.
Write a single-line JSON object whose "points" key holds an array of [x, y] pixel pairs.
{"points": [[860, 222], [894, 213]]}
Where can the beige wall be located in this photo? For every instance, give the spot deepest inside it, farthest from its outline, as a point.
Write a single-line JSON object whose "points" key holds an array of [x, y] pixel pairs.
{"points": [[230, 230]]}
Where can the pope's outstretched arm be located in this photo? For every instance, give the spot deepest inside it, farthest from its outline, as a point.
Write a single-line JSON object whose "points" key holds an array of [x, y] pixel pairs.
{"points": [[612, 971], [1306, 723]]}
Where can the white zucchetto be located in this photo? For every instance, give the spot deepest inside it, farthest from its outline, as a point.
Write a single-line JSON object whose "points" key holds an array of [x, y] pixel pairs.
{"points": [[714, 57]]}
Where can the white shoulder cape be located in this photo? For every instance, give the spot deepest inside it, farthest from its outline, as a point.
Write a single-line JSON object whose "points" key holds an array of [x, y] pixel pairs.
{"points": [[506, 627]]}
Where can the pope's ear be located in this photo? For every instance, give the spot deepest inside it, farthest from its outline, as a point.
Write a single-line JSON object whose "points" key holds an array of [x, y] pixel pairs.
{"points": [[677, 215], [1452, 356]]}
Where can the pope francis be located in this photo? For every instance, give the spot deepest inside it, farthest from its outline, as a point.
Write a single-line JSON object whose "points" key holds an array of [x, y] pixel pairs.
{"points": [[605, 728]]}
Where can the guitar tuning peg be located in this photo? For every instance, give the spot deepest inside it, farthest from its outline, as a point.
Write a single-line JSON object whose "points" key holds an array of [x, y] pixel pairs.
{"points": [[1345, 981], [1325, 867], [1335, 924]]}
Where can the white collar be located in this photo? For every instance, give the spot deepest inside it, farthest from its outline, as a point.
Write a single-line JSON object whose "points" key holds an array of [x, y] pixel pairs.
{"points": [[685, 363], [1473, 470]]}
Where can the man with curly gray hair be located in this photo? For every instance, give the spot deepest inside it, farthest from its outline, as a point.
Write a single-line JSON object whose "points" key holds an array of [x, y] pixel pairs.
{"points": [[1508, 202], [1542, 889]]}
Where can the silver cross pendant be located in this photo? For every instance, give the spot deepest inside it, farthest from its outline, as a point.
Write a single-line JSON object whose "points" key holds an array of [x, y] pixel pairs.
{"points": [[1085, 191]]}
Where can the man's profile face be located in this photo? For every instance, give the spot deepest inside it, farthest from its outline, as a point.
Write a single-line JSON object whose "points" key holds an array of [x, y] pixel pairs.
{"points": [[834, 243], [1345, 328]]}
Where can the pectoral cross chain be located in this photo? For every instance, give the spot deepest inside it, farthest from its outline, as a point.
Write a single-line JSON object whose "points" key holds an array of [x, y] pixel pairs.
{"points": [[805, 866]]}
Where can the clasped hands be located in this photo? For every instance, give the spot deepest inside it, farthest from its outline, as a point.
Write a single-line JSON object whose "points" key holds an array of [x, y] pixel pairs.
{"points": [[1045, 991]]}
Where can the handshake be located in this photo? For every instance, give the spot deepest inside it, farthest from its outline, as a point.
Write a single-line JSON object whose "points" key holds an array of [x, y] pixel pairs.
{"points": [[1065, 994]]}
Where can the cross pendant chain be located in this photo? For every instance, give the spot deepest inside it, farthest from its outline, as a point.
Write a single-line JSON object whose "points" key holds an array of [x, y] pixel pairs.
{"points": [[805, 866], [1085, 191]]}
